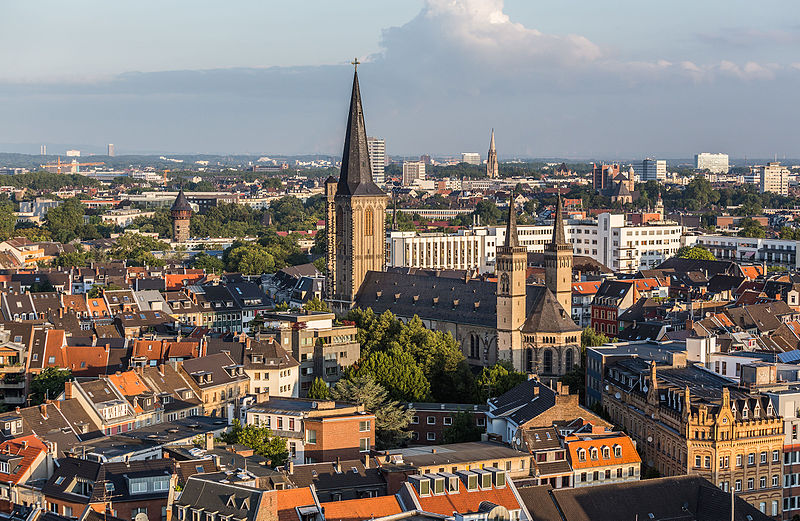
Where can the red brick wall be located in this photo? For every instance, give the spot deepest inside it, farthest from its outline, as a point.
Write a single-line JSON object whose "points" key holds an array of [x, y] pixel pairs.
{"points": [[123, 509], [338, 437], [77, 508], [422, 428]]}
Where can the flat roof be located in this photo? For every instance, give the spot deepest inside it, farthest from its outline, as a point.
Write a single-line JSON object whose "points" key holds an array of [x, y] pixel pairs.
{"points": [[456, 453]]}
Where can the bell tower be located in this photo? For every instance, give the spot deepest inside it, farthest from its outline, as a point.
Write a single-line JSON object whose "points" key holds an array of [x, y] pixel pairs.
{"points": [[558, 262], [512, 263], [357, 216]]}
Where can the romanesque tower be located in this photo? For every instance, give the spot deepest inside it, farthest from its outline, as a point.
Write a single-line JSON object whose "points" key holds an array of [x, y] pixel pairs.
{"points": [[181, 213], [491, 160], [512, 261], [558, 262], [357, 222]]}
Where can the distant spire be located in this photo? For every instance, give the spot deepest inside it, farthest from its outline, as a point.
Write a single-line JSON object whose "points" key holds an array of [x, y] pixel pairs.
{"points": [[491, 143], [512, 241], [492, 167], [559, 237], [356, 171]]}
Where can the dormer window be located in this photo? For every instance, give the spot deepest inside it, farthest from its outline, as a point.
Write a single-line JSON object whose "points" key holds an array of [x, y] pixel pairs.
{"points": [[617, 451], [593, 453], [744, 413], [581, 455]]}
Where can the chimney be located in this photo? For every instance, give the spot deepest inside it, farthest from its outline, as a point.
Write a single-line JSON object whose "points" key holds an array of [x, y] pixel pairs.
{"points": [[67, 390], [366, 460], [247, 342], [290, 467], [17, 409], [209, 441], [338, 465], [43, 410], [433, 450]]}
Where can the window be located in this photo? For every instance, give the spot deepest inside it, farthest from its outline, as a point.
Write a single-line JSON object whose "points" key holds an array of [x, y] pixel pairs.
{"points": [[762, 482], [776, 456], [448, 420], [738, 460], [138, 510], [160, 485], [363, 426], [415, 420], [137, 487], [775, 480], [764, 457], [363, 444], [617, 452], [67, 511], [431, 436], [697, 461], [750, 482], [311, 436], [707, 461], [369, 223], [751, 458], [431, 420], [738, 485], [583, 477]]}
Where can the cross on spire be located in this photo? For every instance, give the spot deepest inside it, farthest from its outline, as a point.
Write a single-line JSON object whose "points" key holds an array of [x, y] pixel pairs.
{"points": [[355, 63]]}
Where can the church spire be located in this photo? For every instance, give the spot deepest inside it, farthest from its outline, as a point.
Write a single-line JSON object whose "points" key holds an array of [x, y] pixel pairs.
{"points": [[559, 237], [491, 143], [492, 167], [356, 171], [512, 241]]}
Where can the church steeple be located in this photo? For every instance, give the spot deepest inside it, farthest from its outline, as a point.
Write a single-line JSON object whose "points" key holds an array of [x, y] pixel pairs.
{"points": [[558, 262], [512, 240], [492, 169], [511, 269], [559, 241]]}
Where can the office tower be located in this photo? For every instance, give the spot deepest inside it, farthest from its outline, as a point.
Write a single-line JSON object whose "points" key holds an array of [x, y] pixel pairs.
{"points": [[110, 152], [472, 158], [492, 169], [412, 171], [73, 153], [43, 150], [714, 163], [426, 158], [377, 159], [651, 170], [772, 177]]}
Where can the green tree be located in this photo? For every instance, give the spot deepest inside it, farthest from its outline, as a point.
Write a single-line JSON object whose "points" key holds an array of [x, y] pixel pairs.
{"points": [[488, 212], [315, 304], [391, 418], [64, 222], [749, 227], [694, 252], [48, 384], [497, 380], [137, 249], [261, 440], [463, 429], [251, 259], [8, 220], [209, 263], [319, 390], [591, 338], [790, 233]]}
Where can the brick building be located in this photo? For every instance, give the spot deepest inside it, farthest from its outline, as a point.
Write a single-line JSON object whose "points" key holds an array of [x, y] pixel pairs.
{"points": [[431, 420]]}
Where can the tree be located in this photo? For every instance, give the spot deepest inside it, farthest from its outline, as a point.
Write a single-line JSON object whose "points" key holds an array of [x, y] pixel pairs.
{"points": [[319, 390], [463, 429], [250, 260], [8, 220], [591, 338], [315, 304], [391, 419], [209, 263], [749, 227], [48, 384], [261, 440], [65, 221], [487, 211], [137, 249], [694, 252], [498, 379]]}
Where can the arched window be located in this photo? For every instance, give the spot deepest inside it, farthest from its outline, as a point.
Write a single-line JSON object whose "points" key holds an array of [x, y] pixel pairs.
{"points": [[547, 361], [529, 360], [568, 360], [504, 284], [369, 223], [474, 346]]}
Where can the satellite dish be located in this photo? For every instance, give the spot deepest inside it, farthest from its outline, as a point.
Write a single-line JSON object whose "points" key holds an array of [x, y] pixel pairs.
{"points": [[617, 396], [141, 516]]}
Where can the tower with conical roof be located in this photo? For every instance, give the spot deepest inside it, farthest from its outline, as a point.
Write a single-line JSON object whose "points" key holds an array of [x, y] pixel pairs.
{"points": [[511, 268], [181, 213], [492, 169], [558, 262], [357, 219]]}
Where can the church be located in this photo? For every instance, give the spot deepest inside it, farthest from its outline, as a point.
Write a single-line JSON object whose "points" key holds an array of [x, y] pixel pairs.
{"points": [[526, 324]]}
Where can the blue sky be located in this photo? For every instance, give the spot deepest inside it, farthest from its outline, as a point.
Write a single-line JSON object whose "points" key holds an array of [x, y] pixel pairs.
{"points": [[573, 78]]}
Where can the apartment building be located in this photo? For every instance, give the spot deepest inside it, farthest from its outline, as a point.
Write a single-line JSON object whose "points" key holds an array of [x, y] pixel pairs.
{"points": [[431, 420], [600, 459], [687, 420], [610, 240], [771, 177], [322, 348], [772, 252], [787, 404], [219, 382]]}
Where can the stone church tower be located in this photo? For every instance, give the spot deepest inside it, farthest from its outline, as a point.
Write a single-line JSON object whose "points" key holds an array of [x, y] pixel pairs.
{"points": [[356, 215], [492, 170], [181, 213], [512, 261], [558, 262]]}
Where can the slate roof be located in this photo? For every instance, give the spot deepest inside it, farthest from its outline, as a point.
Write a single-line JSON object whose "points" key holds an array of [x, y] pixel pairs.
{"points": [[70, 468], [324, 476], [709, 267], [547, 315], [181, 203], [223, 498], [119, 473], [523, 402]]}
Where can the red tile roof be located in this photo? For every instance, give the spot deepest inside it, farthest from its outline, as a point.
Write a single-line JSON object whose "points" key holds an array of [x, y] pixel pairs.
{"points": [[291, 498], [575, 443], [467, 501], [29, 447], [360, 509]]}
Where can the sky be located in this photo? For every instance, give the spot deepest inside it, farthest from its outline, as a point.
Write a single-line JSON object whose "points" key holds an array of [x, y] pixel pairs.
{"points": [[572, 79]]}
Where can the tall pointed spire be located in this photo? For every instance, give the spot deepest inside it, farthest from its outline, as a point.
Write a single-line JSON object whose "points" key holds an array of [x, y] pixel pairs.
{"points": [[512, 241], [491, 143], [559, 236], [356, 171], [492, 168]]}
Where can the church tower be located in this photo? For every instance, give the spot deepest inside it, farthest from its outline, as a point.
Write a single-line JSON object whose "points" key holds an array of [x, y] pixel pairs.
{"points": [[512, 262], [558, 262], [491, 160], [356, 219], [181, 213]]}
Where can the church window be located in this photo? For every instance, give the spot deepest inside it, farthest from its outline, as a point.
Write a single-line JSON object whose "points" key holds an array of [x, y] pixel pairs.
{"points": [[504, 283], [529, 360], [568, 360], [474, 346], [369, 223], [547, 361]]}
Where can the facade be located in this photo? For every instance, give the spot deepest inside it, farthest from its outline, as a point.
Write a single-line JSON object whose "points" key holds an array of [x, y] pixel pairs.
{"points": [[772, 177], [181, 213], [787, 404], [356, 215], [714, 163], [687, 420], [431, 420], [651, 170], [610, 240], [377, 159], [772, 252], [219, 382], [601, 459], [413, 171], [471, 158], [110, 152], [492, 168]]}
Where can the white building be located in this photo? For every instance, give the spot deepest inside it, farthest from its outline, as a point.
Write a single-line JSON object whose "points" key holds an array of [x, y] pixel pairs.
{"points": [[413, 171], [377, 159], [714, 163], [73, 153], [772, 177], [472, 158], [773, 252], [609, 240], [651, 170]]}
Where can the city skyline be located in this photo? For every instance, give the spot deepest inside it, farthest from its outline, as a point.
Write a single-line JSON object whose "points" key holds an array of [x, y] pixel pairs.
{"points": [[543, 77]]}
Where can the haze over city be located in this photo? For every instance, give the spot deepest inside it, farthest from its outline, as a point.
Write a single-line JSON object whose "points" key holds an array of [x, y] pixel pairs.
{"points": [[573, 79]]}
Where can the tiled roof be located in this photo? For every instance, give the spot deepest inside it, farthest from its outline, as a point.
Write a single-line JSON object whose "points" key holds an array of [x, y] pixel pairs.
{"points": [[575, 444], [361, 509], [291, 498], [28, 448], [467, 501]]}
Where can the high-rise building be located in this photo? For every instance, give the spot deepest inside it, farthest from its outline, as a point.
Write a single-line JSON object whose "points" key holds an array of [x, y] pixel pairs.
{"points": [[377, 159], [714, 163], [43, 150], [425, 158], [110, 152], [471, 158], [492, 168], [412, 171], [772, 177], [651, 170], [356, 216], [181, 213]]}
